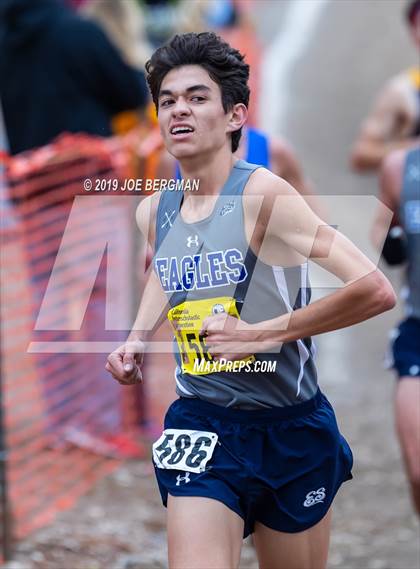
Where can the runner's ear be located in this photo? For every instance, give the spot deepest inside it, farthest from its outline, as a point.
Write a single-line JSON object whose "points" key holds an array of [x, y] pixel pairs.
{"points": [[237, 117]]}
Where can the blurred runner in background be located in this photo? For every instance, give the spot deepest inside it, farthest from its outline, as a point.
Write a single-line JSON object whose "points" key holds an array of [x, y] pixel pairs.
{"points": [[395, 116], [400, 191], [58, 73]]}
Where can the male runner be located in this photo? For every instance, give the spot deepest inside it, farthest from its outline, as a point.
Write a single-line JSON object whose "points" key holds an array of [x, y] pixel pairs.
{"points": [[395, 116], [251, 445], [400, 191]]}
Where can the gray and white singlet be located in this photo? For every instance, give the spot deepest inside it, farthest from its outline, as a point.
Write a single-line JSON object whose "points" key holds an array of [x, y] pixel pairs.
{"points": [[211, 261]]}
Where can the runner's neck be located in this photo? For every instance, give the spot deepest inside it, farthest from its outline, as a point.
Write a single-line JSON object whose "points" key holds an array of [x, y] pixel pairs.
{"points": [[212, 173]]}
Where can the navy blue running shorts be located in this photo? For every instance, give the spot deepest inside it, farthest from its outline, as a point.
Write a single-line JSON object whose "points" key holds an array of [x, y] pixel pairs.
{"points": [[279, 466], [406, 349]]}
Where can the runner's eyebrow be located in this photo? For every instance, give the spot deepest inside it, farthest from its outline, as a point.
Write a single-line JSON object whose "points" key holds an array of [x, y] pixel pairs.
{"points": [[168, 92]]}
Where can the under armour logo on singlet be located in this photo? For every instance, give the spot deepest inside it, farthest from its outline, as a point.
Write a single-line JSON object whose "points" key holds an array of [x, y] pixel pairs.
{"points": [[192, 240]]}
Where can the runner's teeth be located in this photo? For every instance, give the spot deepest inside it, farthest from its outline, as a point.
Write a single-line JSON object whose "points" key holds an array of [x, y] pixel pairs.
{"points": [[179, 129]]}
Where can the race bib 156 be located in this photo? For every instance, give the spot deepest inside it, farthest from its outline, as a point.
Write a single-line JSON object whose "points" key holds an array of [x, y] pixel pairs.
{"points": [[187, 319]]}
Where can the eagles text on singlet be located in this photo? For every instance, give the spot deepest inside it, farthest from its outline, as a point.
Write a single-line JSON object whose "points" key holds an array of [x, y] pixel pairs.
{"points": [[201, 271]]}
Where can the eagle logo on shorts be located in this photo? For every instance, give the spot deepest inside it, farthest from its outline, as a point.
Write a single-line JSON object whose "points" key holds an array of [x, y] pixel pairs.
{"points": [[218, 309], [314, 497]]}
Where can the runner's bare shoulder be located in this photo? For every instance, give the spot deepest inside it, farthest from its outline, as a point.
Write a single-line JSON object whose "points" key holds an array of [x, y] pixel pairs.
{"points": [[146, 216], [273, 210], [264, 183]]}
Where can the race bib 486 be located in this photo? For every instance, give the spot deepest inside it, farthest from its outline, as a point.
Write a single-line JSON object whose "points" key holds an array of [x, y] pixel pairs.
{"points": [[183, 449], [187, 319]]}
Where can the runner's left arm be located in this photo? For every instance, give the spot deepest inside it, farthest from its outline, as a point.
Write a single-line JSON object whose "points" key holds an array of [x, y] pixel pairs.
{"points": [[366, 291]]}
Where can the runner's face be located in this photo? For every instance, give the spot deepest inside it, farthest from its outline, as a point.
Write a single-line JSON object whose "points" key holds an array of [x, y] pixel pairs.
{"points": [[191, 116]]}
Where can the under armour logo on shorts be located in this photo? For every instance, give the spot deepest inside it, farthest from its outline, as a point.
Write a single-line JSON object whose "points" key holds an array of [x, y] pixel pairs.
{"points": [[185, 479], [314, 497]]}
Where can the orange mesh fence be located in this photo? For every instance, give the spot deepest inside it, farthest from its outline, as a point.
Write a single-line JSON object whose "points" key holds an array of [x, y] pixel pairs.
{"points": [[67, 265]]}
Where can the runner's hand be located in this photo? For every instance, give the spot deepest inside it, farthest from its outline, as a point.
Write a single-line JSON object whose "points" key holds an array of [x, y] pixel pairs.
{"points": [[124, 364], [224, 340]]}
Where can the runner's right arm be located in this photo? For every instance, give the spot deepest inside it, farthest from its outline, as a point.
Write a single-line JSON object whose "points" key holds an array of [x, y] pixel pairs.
{"points": [[153, 305], [125, 362]]}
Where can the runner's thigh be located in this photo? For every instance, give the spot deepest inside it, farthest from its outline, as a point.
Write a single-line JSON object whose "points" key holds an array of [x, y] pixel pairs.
{"points": [[303, 550], [203, 534], [407, 407]]}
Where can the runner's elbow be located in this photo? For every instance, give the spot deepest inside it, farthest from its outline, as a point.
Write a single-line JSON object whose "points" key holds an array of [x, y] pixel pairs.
{"points": [[384, 297]]}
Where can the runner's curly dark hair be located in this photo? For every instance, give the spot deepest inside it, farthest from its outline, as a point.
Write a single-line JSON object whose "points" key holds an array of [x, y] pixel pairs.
{"points": [[224, 64]]}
